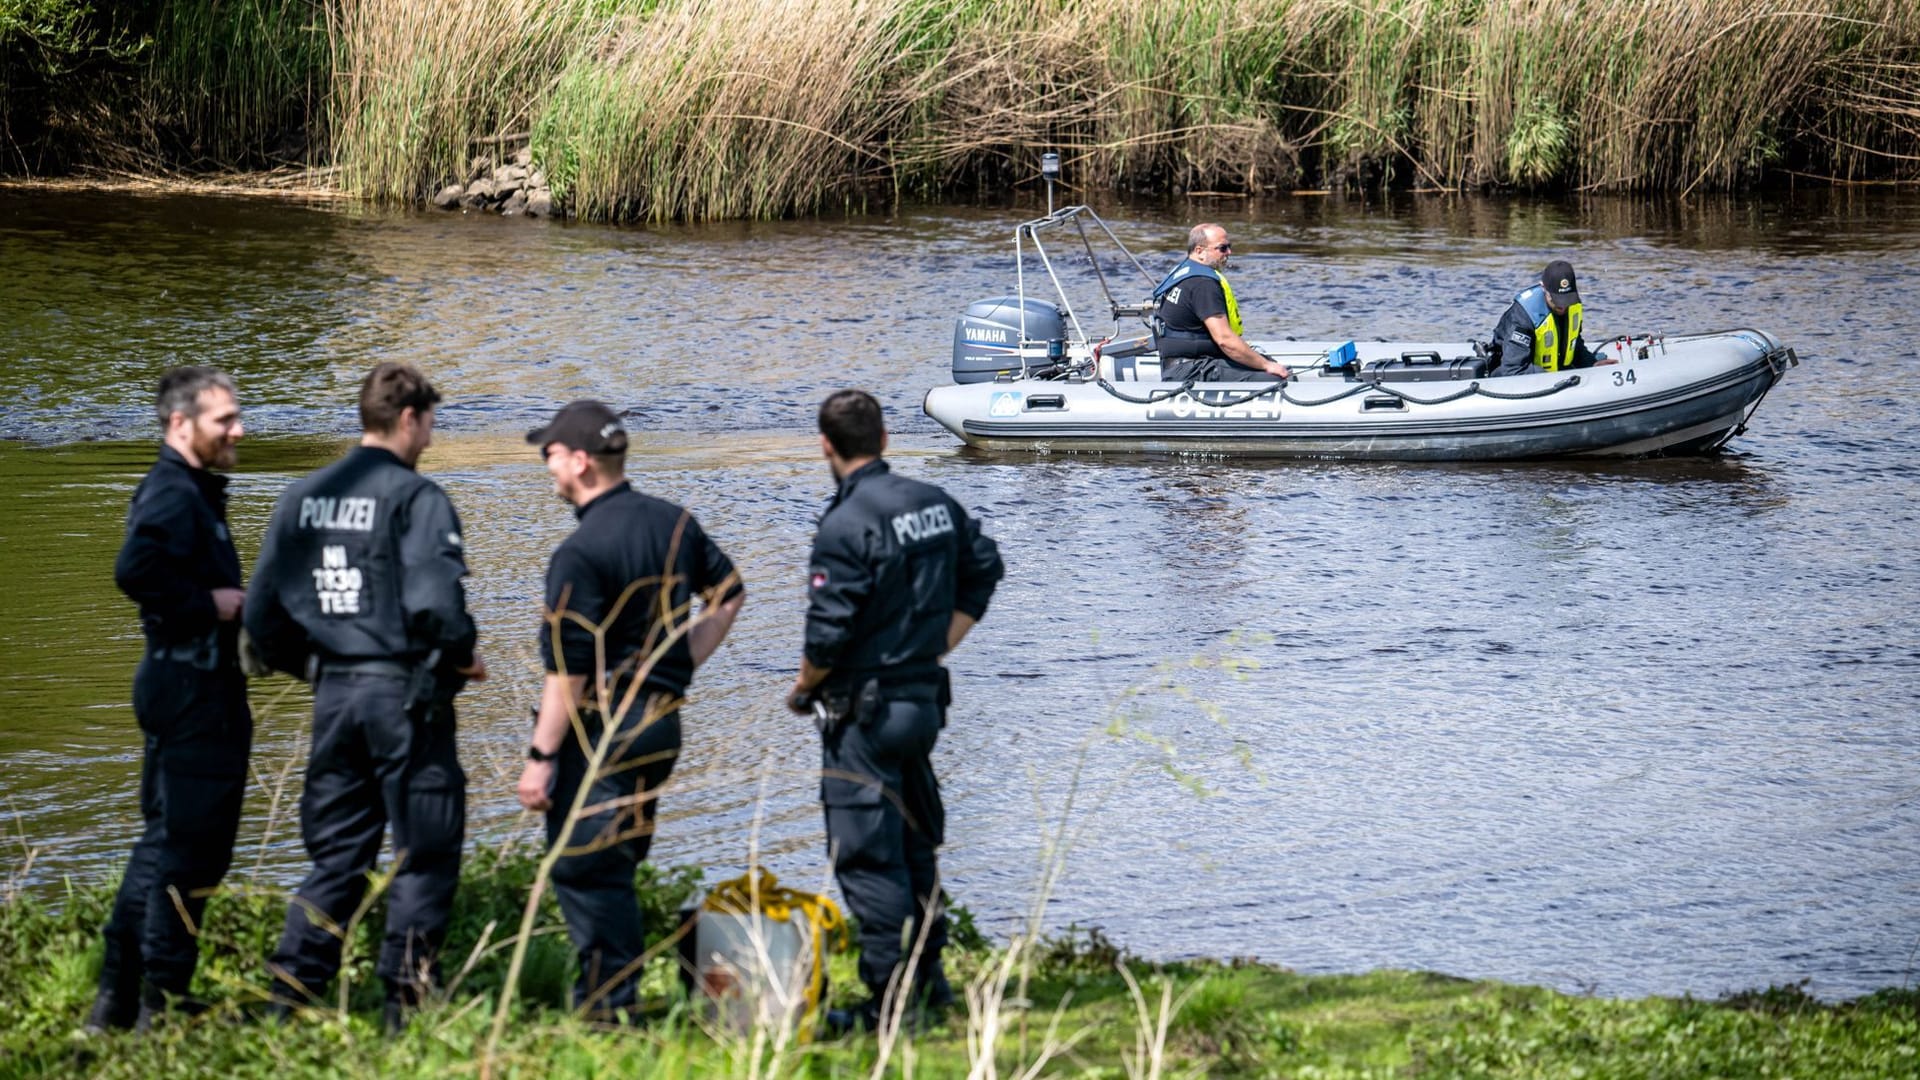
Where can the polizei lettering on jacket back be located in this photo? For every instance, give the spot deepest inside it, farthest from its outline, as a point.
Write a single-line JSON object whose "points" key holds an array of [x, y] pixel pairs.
{"points": [[922, 524], [342, 514], [338, 585]]}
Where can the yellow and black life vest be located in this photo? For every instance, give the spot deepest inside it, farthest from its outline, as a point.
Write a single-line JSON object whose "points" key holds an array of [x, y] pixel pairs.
{"points": [[1550, 351], [1189, 268]]}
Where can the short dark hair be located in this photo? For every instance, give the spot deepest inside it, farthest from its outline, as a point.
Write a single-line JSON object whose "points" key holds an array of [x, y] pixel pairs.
{"points": [[180, 390], [852, 423], [611, 465], [390, 389]]}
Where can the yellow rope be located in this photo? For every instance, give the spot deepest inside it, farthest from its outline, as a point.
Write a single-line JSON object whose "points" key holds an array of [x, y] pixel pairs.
{"points": [[744, 896]]}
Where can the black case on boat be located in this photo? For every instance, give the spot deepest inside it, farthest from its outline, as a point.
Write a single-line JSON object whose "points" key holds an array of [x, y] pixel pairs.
{"points": [[1427, 367]]}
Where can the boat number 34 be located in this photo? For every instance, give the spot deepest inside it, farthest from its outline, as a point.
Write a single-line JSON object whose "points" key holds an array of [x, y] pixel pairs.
{"points": [[1622, 378]]}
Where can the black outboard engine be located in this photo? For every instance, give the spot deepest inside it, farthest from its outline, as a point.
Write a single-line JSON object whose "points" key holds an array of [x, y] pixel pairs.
{"points": [[986, 340]]}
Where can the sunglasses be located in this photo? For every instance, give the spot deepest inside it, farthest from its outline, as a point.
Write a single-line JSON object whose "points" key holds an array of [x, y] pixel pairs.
{"points": [[1223, 247]]}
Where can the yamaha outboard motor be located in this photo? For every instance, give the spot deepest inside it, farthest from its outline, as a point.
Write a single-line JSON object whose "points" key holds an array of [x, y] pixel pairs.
{"points": [[986, 340]]}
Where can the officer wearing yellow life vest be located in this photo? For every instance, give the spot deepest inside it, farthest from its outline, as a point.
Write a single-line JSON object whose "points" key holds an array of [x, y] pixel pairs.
{"points": [[1541, 329], [1196, 325]]}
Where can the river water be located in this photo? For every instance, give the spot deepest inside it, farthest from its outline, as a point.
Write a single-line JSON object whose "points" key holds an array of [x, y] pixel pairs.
{"points": [[1626, 727]]}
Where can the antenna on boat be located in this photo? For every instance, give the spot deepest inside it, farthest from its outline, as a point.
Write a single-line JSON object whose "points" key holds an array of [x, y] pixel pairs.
{"points": [[1050, 169]]}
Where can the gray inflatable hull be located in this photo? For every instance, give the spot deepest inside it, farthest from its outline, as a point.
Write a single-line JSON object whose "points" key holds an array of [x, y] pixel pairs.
{"points": [[1683, 395]]}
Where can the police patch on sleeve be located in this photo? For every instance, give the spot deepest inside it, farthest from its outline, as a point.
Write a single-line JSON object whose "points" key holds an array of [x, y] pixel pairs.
{"points": [[1520, 337], [818, 580]]}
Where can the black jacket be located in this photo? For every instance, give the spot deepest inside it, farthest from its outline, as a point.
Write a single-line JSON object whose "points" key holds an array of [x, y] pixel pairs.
{"points": [[177, 551], [362, 561], [893, 560]]}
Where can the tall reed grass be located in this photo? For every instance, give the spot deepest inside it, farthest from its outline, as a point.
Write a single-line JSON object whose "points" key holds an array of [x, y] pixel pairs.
{"points": [[702, 109], [691, 109], [240, 81]]}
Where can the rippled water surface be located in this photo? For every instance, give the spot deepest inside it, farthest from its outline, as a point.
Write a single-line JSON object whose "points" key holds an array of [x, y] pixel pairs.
{"points": [[1630, 727]]}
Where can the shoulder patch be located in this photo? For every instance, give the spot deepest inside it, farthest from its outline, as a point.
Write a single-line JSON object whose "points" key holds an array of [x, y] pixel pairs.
{"points": [[819, 579], [1520, 337], [454, 539]]}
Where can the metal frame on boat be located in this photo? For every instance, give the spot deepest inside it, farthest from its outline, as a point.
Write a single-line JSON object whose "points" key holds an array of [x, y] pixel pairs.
{"points": [[1029, 377]]}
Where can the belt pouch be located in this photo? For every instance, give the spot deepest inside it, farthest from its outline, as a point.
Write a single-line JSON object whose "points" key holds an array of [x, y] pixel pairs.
{"points": [[866, 706]]}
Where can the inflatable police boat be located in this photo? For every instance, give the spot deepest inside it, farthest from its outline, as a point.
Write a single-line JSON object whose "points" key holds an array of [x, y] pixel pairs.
{"points": [[1028, 378]]}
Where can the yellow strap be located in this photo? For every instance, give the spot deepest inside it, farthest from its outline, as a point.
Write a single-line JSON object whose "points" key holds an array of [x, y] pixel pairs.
{"points": [[1233, 306], [739, 896]]}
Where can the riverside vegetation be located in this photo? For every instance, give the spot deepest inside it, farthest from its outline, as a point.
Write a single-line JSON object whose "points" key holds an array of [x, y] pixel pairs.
{"points": [[701, 109], [1074, 1005]]}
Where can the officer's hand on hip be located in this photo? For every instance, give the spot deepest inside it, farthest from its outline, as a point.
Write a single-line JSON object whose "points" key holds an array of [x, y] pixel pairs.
{"points": [[475, 671], [800, 700], [226, 603], [252, 664], [536, 784]]}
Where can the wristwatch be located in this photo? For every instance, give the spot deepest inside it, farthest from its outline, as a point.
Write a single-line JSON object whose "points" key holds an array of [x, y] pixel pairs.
{"points": [[534, 753]]}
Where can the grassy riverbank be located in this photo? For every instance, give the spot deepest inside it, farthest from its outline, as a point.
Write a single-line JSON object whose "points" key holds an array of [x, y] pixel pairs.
{"points": [[1091, 1011], [704, 109]]}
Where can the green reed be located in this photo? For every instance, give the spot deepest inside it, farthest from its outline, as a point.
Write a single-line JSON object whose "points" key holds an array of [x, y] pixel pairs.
{"points": [[233, 81], [694, 109]]}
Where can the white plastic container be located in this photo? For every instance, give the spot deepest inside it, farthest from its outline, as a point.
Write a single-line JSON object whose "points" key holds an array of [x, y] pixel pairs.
{"points": [[752, 970]]}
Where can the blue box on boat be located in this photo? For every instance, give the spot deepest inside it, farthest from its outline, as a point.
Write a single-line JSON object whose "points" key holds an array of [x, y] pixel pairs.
{"points": [[1339, 359]]}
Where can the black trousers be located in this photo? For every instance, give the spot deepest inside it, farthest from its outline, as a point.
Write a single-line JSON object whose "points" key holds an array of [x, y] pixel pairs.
{"points": [[373, 765], [1210, 369], [885, 824], [593, 880], [193, 776]]}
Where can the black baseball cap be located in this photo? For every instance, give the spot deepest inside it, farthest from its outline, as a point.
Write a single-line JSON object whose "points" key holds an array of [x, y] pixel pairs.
{"points": [[1559, 282], [582, 425]]}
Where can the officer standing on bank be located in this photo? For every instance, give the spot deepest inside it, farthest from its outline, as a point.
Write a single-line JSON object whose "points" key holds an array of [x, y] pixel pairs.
{"points": [[359, 590], [189, 697], [628, 574], [899, 574]]}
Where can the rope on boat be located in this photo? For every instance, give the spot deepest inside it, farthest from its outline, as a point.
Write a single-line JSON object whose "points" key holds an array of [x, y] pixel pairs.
{"points": [[1571, 380], [1363, 387], [1790, 359], [1154, 397]]}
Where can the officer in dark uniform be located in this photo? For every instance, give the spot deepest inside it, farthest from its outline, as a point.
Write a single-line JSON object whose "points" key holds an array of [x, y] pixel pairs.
{"points": [[1196, 326], [627, 576], [899, 574], [189, 697], [1541, 328], [358, 590]]}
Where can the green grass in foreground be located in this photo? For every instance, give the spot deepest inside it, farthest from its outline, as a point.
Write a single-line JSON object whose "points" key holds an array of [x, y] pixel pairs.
{"points": [[1090, 1011]]}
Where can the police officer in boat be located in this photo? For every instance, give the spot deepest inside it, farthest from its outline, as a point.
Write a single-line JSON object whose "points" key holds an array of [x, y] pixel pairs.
{"points": [[1541, 328], [358, 590], [898, 575], [189, 698], [1196, 325]]}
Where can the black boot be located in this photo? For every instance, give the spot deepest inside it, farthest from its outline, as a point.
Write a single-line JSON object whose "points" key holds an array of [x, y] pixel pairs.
{"points": [[160, 1007], [112, 1011], [402, 1000], [839, 1023], [275, 1010]]}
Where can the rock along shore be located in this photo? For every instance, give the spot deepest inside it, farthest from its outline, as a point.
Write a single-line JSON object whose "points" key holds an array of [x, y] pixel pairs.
{"points": [[510, 185]]}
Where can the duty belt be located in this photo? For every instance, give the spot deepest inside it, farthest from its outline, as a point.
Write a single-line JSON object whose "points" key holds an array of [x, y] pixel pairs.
{"points": [[889, 677], [391, 668], [203, 652]]}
